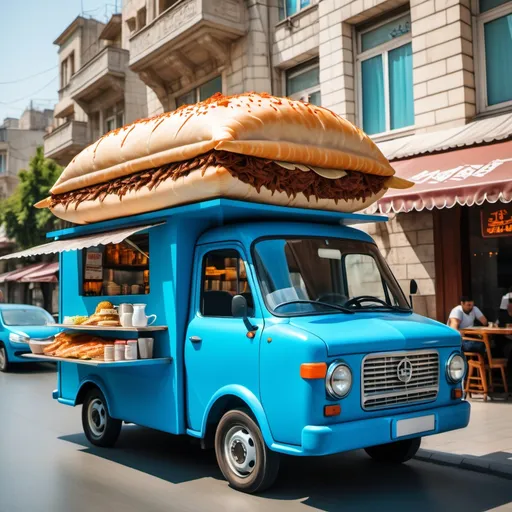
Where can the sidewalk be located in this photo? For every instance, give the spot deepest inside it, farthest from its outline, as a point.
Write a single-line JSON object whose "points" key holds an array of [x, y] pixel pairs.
{"points": [[485, 445]]}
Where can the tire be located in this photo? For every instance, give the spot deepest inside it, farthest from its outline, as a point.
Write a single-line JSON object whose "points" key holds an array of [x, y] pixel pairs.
{"points": [[4, 360], [395, 453], [243, 457], [99, 427]]}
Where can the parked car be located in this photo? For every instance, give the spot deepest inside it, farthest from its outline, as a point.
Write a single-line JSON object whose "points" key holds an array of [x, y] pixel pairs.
{"points": [[18, 324]]}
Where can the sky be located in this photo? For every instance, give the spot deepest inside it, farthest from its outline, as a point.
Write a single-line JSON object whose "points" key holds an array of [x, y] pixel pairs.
{"points": [[27, 31]]}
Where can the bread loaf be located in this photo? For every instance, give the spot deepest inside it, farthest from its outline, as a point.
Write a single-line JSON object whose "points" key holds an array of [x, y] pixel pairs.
{"points": [[225, 147]]}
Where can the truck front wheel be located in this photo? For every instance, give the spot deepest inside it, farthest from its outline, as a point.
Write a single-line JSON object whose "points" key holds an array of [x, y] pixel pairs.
{"points": [[243, 457], [395, 453], [99, 427]]}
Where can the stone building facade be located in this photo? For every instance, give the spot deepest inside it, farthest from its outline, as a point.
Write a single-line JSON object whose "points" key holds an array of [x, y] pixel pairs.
{"points": [[404, 71], [98, 91], [19, 139]]}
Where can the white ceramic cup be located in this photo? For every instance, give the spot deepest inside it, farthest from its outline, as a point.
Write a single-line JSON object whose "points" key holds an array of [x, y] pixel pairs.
{"points": [[126, 319], [145, 348]]}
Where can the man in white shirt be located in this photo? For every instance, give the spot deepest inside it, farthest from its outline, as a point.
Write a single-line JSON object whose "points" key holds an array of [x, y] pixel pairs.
{"points": [[464, 316]]}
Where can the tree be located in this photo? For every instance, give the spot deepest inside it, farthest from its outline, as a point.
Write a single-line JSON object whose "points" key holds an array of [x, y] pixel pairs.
{"points": [[24, 223]]}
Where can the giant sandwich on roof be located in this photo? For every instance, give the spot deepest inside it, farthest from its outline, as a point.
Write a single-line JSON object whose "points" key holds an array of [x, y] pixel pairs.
{"points": [[252, 147]]}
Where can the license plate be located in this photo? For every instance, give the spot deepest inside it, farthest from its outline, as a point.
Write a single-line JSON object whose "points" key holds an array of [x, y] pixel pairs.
{"points": [[415, 425]]}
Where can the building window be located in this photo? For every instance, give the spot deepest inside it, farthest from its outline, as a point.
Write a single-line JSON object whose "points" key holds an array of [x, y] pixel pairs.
{"points": [[132, 24], [141, 18], [303, 82], [71, 60], [290, 7], [3, 163], [163, 5], [384, 61], [63, 73], [495, 53], [114, 117], [200, 93], [67, 69]]}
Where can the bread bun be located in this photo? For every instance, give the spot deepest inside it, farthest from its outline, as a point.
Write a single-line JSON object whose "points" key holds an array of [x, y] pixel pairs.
{"points": [[155, 163]]}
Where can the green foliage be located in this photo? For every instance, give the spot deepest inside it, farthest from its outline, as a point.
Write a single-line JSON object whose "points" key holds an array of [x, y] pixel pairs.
{"points": [[24, 223]]}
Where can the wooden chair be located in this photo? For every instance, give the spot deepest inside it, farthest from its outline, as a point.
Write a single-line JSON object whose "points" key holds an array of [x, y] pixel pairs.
{"points": [[495, 364], [476, 378]]}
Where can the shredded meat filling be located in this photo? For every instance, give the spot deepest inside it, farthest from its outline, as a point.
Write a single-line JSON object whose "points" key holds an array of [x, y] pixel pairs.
{"points": [[257, 172]]}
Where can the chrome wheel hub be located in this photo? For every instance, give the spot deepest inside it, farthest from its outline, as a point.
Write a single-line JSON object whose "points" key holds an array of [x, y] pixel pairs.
{"points": [[97, 417], [3, 357], [240, 451]]}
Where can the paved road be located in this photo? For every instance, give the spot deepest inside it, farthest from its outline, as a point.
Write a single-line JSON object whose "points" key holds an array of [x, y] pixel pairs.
{"points": [[46, 465]]}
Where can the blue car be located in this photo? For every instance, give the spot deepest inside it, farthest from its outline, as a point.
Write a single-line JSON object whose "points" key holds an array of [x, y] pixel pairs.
{"points": [[18, 324]]}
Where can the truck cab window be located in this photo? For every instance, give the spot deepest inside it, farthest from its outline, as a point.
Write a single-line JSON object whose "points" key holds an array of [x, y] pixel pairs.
{"points": [[224, 275]]}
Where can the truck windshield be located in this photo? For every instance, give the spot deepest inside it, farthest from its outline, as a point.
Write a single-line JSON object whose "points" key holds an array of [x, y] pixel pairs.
{"points": [[304, 276]]}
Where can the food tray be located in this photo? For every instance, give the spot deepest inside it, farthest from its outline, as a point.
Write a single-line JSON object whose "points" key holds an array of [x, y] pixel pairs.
{"points": [[150, 328], [134, 362]]}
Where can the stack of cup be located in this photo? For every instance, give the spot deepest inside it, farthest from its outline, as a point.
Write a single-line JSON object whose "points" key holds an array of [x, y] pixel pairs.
{"points": [[145, 348]]}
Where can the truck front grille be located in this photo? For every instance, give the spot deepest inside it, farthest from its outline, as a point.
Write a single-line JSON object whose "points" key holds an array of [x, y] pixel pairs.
{"points": [[399, 378]]}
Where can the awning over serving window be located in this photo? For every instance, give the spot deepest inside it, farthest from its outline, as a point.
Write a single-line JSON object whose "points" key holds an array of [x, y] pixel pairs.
{"points": [[465, 176], [83, 242]]}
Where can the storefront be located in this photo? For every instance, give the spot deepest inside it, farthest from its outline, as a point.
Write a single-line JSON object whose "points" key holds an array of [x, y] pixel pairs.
{"points": [[468, 192], [35, 284]]}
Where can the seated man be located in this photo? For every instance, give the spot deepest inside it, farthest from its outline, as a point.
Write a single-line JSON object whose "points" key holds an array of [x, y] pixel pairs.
{"points": [[464, 316]]}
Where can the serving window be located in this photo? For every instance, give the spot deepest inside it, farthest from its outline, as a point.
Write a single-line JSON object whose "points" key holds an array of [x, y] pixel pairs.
{"points": [[117, 269]]}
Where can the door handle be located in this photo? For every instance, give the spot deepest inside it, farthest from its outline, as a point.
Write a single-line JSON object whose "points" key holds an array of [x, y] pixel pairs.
{"points": [[195, 339]]}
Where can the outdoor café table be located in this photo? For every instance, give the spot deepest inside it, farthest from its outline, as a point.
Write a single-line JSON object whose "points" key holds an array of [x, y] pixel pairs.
{"points": [[486, 333]]}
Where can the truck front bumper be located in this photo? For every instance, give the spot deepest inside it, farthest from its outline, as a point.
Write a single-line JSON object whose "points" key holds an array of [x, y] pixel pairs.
{"points": [[354, 435]]}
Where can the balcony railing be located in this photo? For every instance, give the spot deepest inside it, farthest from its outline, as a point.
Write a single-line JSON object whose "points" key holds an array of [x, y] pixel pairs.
{"points": [[65, 141], [188, 19], [106, 70]]}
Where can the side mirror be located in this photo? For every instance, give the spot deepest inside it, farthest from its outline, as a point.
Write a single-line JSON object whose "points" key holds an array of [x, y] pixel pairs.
{"points": [[239, 307], [413, 287]]}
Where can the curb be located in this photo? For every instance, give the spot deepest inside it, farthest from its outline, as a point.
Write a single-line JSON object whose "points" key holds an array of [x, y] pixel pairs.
{"points": [[469, 462]]}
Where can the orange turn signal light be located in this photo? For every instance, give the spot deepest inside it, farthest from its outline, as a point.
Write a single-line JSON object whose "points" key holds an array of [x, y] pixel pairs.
{"points": [[313, 370], [456, 394], [332, 410]]}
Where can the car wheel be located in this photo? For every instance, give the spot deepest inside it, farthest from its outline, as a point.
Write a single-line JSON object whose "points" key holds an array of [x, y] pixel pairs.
{"points": [[99, 427], [4, 361], [243, 457], [395, 453]]}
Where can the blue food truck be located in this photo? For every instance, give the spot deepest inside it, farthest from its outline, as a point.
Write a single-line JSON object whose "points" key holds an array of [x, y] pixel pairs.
{"points": [[279, 331]]}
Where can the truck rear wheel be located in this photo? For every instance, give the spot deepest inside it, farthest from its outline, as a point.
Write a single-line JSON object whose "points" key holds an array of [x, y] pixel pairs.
{"points": [[243, 457], [99, 427], [395, 453]]}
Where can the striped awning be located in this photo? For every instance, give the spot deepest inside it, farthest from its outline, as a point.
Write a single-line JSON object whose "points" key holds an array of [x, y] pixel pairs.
{"points": [[83, 242], [465, 177]]}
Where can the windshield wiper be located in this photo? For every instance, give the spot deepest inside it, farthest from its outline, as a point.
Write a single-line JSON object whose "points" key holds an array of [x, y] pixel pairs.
{"points": [[388, 306], [334, 306]]}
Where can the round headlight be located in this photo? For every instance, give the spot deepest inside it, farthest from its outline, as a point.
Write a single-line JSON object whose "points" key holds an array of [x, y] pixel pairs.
{"points": [[338, 380], [455, 368]]}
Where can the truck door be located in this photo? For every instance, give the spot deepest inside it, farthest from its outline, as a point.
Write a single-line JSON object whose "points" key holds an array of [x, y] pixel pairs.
{"points": [[218, 352]]}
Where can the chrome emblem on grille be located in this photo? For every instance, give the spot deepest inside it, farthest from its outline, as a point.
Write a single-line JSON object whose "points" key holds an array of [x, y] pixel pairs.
{"points": [[404, 370]]}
